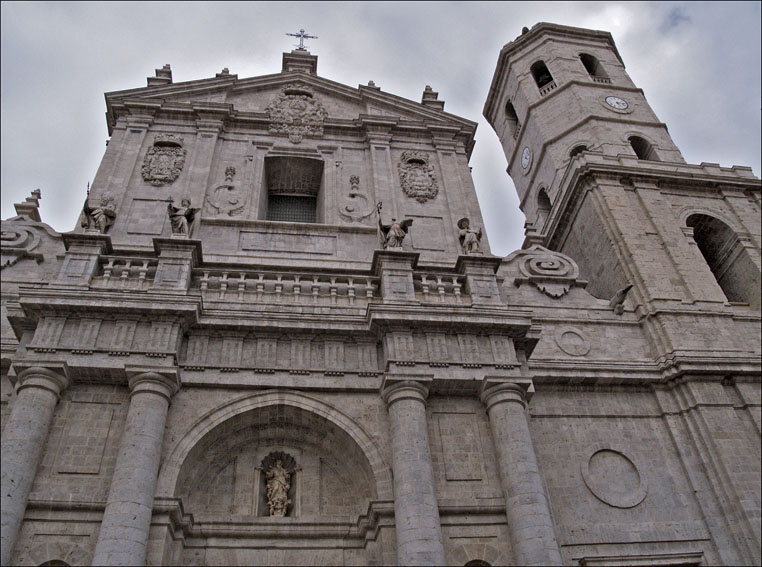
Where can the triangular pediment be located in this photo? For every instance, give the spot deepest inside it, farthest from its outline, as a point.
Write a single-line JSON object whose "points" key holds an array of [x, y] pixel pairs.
{"points": [[254, 95]]}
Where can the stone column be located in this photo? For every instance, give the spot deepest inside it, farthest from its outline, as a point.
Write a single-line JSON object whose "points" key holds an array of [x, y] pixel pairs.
{"points": [[24, 436], [530, 524], [127, 518], [416, 512]]}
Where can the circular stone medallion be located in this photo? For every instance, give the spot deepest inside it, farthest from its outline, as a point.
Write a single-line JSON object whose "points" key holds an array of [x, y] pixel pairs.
{"points": [[614, 478], [572, 341]]}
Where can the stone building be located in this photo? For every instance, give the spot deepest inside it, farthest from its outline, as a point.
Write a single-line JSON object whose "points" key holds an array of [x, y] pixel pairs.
{"points": [[237, 358]]}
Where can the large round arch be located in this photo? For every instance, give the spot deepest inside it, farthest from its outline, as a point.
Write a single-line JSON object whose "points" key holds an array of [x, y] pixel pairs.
{"points": [[228, 416]]}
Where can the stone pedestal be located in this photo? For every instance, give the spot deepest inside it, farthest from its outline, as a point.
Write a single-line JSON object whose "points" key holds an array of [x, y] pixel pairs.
{"points": [[178, 255], [416, 512], [127, 518], [481, 283], [81, 260], [395, 271], [23, 440], [530, 524]]}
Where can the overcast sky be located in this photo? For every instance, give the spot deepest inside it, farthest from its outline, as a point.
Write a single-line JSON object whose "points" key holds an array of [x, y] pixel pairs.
{"points": [[698, 64]]}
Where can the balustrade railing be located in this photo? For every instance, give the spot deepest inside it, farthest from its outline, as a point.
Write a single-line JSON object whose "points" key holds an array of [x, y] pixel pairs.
{"points": [[134, 274], [438, 288], [273, 287]]}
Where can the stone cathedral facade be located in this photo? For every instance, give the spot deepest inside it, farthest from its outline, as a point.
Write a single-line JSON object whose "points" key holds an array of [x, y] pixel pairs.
{"points": [[238, 357]]}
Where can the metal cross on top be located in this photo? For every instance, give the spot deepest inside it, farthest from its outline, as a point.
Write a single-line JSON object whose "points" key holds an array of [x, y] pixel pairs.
{"points": [[302, 36]]}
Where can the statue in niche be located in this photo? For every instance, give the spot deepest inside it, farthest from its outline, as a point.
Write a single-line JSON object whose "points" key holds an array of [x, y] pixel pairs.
{"points": [[469, 237], [278, 485], [393, 234], [181, 217], [98, 218]]}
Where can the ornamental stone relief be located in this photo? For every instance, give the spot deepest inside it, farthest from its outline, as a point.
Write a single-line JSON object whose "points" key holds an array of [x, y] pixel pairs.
{"points": [[17, 242], [356, 207], [227, 198], [417, 176], [296, 113], [550, 272], [164, 160]]}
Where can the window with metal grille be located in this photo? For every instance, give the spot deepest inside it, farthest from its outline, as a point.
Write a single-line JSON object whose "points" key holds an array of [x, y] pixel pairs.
{"points": [[291, 208], [293, 186]]}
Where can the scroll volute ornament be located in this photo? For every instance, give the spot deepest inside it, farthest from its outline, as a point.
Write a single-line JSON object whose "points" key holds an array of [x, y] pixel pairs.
{"points": [[296, 113], [164, 160], [551, 272], [417, 176]]}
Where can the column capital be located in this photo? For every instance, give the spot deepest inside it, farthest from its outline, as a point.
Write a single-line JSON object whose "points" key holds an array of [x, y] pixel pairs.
{"points": [[164, 382], [494, 392], [53, 376], [394, 390]]}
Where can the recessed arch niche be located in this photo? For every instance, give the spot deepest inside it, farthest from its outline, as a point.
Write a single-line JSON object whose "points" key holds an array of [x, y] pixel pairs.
{"points": [[220, 474]]}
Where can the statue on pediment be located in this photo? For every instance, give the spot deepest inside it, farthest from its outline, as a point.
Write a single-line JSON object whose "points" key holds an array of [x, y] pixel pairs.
{"points": [[470, 238], [394, 233], [100, 217], [181, 217]]}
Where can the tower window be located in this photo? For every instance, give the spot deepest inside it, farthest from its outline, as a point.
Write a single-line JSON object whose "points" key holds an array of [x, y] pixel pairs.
{"points": [[594, 68], [543, 207], [513, 119], [576, 150], [643, 149], [541, 75], [293, 185], [729, 261]]}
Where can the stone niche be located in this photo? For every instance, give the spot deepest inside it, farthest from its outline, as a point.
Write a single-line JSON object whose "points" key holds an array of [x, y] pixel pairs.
{"points": [[223, 475]]}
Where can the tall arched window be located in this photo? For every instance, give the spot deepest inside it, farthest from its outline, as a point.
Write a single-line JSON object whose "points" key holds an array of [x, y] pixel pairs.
{"points": [[594, 68], [543, 208], [731, 265], [541, 74], [512, 118], [643, 149]]}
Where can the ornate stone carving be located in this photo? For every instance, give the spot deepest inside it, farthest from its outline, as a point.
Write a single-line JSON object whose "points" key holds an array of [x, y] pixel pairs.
{"points": [[181, 217], [469, 237], [164, 160], [278, 468], [227, 199], [393, 234], [551, 272], [17, 242], [98, 219], [357, 206], [417, 176], [296, 113]]}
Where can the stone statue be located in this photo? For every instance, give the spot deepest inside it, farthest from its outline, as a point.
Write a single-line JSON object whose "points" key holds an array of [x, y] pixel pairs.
{"points": [[394, 233], [278, 485], [469, 237], [101, 217], [181, 217]]}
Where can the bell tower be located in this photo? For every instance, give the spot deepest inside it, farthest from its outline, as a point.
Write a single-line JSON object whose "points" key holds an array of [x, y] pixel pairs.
{"points": [[600, 180]]}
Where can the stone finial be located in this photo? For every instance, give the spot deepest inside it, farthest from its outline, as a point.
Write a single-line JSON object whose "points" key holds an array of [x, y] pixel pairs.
{"points": [[30, 207], [431, 98], [300, 61], [372, 85], [224, 73], [163, 77]]}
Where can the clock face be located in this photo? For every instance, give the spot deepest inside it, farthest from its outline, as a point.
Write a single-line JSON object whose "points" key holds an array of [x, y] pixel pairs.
{"points": [[616, 102], [526, 157]]}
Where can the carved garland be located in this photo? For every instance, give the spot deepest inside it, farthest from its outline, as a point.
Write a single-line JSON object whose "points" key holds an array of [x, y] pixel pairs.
{"points": [[417, 176], [296, 113]]}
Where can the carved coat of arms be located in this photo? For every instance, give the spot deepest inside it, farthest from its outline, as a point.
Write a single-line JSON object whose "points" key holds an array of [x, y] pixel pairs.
{"points": [[164, 160], [296, 113], [417, 176]]}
